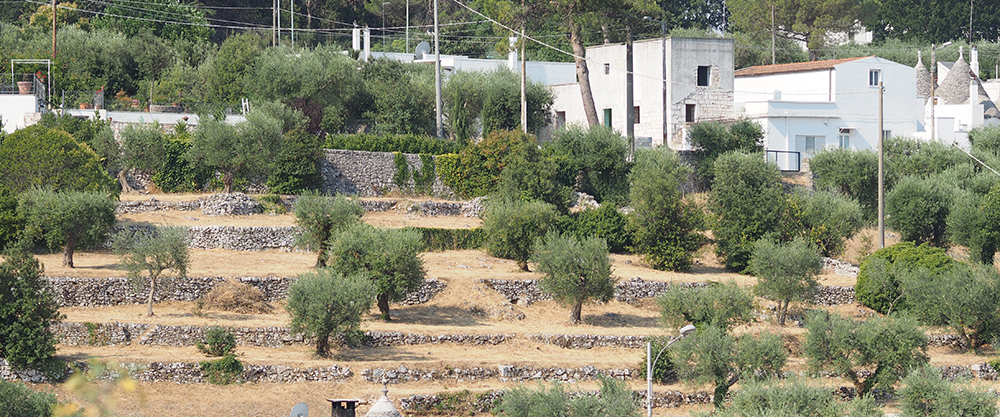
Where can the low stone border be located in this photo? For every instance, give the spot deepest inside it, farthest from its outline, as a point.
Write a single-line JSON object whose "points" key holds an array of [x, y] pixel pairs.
{"points": [[484, 402], [504, 373], [426, 208], [97, 292], [586, 341], [527, 291], [189, 373]]}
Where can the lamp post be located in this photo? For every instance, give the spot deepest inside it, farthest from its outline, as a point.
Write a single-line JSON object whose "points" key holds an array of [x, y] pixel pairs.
{"points": [[663, 44], [686, 330], [934, 81]]}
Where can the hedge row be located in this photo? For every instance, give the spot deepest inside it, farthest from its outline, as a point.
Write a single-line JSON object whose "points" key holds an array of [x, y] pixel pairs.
{"points": [[413, 144]]}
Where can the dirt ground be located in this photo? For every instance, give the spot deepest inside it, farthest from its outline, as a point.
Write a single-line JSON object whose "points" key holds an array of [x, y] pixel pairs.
{"points": [[466, 306]]}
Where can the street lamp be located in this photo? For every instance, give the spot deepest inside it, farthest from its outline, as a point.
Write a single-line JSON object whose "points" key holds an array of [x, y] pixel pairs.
{"points": [[686, 330], [933, 81], [663, 44]]}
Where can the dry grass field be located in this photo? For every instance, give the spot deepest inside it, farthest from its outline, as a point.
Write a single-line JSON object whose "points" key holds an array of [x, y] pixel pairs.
{"points": [[462, 308]]}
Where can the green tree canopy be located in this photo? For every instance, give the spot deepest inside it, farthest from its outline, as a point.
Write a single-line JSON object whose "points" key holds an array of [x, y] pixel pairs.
{"points": [[37, 156], [511, 227], [785, 272], [246, 148], [918, 209], [320, 217], [793, 396], [712, 139], [327, 303], [67, 219], [145, 257], [167, 19], [615, 399], [888, 347], [927, 393], [721, 305], [961, 298], [598, 158], [576, 270], [807, 21], [878, 286], [27, 311], [390, 257]]}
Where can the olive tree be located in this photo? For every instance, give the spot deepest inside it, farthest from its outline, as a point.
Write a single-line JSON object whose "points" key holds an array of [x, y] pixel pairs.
{"points": [[793, 396], [918, 209], [319, 217], [390, 257], [145, 257], [246, 148], [962, 298], [67, 219], [888, 347], [143, 147], [664, 224], [712, 355], [926, 393], [511, 227], [576, 270], [721, 305], [785, 272], [615, 399], [326, 303]]}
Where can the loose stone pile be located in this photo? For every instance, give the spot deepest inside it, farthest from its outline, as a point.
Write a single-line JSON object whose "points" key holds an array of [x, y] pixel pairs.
{"points": [[156, 205], [840, 267], [474, 207], [833, 296], [232, 204]]}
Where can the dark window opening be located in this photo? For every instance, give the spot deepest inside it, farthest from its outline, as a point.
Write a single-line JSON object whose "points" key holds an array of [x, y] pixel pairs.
{"points": [[689, 113], [703, 72], [635, 115], [607, 117], [607, 68]]}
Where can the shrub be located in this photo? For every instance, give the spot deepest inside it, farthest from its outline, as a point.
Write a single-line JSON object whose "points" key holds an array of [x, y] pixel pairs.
{"points": [[607, 223], [476, 170], [319, 218], [27, 311], [223, 371], [296, 167], [402, 176], [615, 399], [405, 143], [327, 303], [961, 298], [236, 297], [827, 219], [872, 353], [918, 210], [529, 175], [663, 223], [721, 305], [576, 271], [877, 286], [17, 400], [852, 173], [219, 341], [511, 227], [750, 204], [921, 158], [247, 148], [926, 392], [402, 96], [40, 157], [663, 368], [785, 272], [793, 397], [713, 139], [10, 223], [597, 158], [389, 257], [68, 219], [177, 174], [450, 239]]}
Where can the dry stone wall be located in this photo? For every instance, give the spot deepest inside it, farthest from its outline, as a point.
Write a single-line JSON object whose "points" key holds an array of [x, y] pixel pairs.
{"points": [[368, 174], [504, 373], [189, 373], [97, 292]]}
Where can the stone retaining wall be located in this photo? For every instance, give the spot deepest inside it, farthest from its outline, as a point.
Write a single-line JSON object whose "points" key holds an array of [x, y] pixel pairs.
{"points": [[527, 291], [368, 174], [97, 292], [189, 373], [504, 373], [586, 341]]}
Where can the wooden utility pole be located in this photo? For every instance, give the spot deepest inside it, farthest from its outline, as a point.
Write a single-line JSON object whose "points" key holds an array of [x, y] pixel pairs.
{"points": [[524, 76], [629, 93], [53, 29], [881, 176], [773, 60]]}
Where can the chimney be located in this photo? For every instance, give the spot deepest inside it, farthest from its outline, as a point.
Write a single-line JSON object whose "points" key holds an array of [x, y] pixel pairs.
{"points": [[974, 61], [368, 45], [356, 38]]}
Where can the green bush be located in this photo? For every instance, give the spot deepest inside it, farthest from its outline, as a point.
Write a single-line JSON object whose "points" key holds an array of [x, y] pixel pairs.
{"points": [[852, 173], [918, 209], [402, 176], [10, 224], [663, 368], [529, 175], [219, 341], [597, 157], [405, 143], [223, 371], [962, 298], [664, 224], [827, 219], [615, 399], [436, 239], [723, 305], [511, 227], [296, 167], [177, 175], [917, 157], [793, 397], [927, 393], [713, 139], [17, 400], [40, 157], [605, 222], [27, 311], [423, 180], [476, 170], [877, 286]]}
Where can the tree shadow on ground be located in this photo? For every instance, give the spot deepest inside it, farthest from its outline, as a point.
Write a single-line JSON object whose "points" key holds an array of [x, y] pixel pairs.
{"points": [[436, 315], [620, 320], [383, 353]]}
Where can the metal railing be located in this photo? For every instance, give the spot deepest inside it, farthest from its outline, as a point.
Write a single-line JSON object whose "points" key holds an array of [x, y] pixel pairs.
{"points": [[787, 161]]}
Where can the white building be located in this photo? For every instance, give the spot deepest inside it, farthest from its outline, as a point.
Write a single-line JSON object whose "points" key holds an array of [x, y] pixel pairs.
{"points": [[699, 74], [962, 103], [810, 106]]}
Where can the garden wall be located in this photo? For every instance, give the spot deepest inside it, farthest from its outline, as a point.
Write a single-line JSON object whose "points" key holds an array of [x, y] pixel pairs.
{"points": [[368, 174]]}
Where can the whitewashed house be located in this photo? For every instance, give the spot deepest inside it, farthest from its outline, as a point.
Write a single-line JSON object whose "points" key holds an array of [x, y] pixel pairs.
{"points": [[699, 74], [810, 106], [962, 103]]}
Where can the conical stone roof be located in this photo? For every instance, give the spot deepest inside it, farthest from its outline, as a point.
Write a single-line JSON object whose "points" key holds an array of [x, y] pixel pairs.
{"points": [[955, 87], [383, 407], [923, 79]]}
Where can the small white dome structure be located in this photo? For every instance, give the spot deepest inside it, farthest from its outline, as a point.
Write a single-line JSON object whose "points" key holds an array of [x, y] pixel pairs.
{"points": [[383, 407]]}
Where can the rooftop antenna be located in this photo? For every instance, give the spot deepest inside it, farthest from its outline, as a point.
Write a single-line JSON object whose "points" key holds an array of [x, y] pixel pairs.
{"points": [[300, 410]]}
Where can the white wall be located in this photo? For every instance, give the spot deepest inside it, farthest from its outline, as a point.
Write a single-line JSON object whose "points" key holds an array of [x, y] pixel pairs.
{"points": [[18, 111], [807, 86]]}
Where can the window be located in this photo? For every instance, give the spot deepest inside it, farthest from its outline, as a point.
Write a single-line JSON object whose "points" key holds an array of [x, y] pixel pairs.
{"points": [[607, 68], [607, 117], [689, 113], [810, 144], [703, 75], [635, 115], [560, 119], [845, 138], [886, 134], [874, 77]]}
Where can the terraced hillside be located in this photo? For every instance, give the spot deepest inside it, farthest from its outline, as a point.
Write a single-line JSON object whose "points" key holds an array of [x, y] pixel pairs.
{"points": [[478, 324]]}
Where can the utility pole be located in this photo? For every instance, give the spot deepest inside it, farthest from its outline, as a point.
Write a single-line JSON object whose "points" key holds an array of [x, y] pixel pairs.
{"points": [[881, 176], [629, 93], [292, 17], [773, 60], [524, 79], [274, 22], [53, 29], [407, 26], [437, 73]]}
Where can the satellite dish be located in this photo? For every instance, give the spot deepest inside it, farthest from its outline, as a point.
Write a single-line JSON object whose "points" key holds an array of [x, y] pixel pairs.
{"points": [[300, 410], [422, 48]]}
